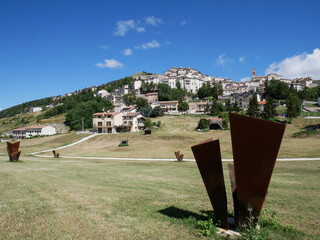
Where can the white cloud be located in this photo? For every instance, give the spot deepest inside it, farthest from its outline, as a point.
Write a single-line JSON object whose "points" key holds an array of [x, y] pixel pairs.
{"points": [[140, 29], [122, 27], [127, 52], [103, 47], [148, 45], [241, 59], [245, 79], [110, 63], [303, 65], [221, 60], [183, 22], [153, 21]]}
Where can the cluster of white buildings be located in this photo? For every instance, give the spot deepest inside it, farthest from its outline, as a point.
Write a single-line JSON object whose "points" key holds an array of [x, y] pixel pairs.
{"points": [[257, 83], [191, 80]]}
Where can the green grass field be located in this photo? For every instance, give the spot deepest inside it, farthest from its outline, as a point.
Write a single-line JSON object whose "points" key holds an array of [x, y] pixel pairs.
{"points": [[98, 199], [58, 199], [178, 133]]}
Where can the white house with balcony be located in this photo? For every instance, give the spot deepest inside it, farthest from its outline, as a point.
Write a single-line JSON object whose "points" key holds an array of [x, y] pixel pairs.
{"points": [[115, 122], [133, 121], [107, 122]]}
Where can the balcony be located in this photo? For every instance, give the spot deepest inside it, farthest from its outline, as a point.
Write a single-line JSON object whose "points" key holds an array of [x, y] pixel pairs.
{"points": [[127, 123]]}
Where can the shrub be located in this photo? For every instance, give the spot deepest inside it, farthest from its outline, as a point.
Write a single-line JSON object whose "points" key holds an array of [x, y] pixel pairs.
{"points": [[203, 124]]}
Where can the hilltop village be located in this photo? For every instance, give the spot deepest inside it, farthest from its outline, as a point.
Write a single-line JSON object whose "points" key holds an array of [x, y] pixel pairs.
{"points": [[178, 90], [192, 80]]}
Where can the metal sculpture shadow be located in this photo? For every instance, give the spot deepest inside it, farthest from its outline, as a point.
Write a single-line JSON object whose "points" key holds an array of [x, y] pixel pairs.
{"points": [[255, 146], [13, 151]]}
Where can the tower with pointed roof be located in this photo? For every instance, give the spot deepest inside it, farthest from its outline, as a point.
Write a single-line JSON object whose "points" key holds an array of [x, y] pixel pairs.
{"points": [[253, 73]]}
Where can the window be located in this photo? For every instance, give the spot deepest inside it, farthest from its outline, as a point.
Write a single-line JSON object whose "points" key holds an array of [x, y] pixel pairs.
{"points": [[108, 123], [99, 123]]}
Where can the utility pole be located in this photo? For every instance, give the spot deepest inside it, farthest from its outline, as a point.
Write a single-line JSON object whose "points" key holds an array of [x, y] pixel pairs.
{"points": [[82, 125]]}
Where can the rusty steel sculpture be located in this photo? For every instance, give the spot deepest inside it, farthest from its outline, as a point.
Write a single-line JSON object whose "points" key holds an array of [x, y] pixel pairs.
{"points": [[13, 151], [255, 145], [55, 154], [179, 156]]}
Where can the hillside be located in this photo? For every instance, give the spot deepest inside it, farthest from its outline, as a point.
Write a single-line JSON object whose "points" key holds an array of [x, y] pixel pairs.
{"points": [[178, 133], [56, 100], [23, 120]]}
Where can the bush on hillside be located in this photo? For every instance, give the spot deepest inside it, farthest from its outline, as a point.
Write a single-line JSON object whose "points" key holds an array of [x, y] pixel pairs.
{"points": [[203, 124]]}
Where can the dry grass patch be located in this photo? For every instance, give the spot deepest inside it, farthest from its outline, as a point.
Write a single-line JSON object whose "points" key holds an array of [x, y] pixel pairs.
{"points": [[178, 133]]}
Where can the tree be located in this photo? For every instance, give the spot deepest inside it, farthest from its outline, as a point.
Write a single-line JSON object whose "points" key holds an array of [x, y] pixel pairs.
{"points": [[225, 121], [84, 111], [228, 106], [206, 90], [203, 124], [276, 89], [183, 107], [157, 112], [148, 123], [235, 106], [269, 110], [164, 92], [178, 85], [146, 111], [141, 102], [253, 109], [129, 98], [220, 89], [293, 106], [207, 108], [216, 108]]}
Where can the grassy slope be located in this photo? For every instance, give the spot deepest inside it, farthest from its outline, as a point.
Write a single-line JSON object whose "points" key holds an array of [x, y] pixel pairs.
{"points": [[43, 143], [177, 133], [56, 199], [7, 124]]}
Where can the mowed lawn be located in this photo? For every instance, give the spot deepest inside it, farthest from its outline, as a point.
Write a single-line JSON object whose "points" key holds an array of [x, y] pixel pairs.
{"points": [[178, 133], [80, 199]]}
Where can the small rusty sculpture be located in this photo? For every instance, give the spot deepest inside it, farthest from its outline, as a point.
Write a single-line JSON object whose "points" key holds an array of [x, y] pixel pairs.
{"points": [[55, 154], [255, 145], [13, 151], [179, 156]]}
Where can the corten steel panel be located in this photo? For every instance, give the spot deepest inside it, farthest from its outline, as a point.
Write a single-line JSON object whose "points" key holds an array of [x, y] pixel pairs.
{"points": [[13, 147], [208, 158], [255, 146], [13, 151], [234, 191]]}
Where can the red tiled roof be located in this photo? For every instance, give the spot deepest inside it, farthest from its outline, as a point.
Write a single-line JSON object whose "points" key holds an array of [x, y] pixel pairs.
{"points": [[262, 102], [215, 119], [19, 129], [168, 102], [132, 114], [106, 114], [152, 93], [36, 126]]}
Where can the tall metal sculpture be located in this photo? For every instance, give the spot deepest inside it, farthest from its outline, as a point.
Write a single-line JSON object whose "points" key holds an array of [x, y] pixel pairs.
{"points": [[13, 151], [209, 163], [255, 145]]}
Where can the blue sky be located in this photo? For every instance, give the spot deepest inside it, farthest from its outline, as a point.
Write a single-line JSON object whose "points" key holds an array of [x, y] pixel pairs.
{"points": [[48, 48]]}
